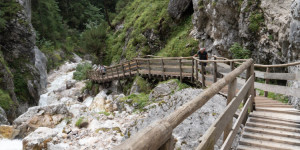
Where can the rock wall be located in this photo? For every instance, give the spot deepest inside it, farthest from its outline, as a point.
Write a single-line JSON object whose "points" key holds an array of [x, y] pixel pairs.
{"points": [[26, 78], [295, 47], [219, 24]]}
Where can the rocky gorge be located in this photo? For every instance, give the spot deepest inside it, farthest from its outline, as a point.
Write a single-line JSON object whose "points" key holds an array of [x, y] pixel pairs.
{"points": [[54, 111], [105, 120]]}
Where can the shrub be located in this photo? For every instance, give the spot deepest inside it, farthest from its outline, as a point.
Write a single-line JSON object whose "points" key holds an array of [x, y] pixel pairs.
{"points": [[104, 113], [5, 101], [81, 71], [141, 99], [145, 86], [79, 122], [238, 52], [256, 19]]}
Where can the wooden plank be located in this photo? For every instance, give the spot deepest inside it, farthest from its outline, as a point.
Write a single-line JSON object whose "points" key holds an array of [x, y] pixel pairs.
{"points": [[267, 82], [289, 91], [221, 122], [228, 142], [231, 94], [280, 76]]}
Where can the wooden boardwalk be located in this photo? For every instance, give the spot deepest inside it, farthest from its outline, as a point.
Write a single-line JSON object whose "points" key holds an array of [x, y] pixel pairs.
{"points": [[273, 125], [269, 124]]}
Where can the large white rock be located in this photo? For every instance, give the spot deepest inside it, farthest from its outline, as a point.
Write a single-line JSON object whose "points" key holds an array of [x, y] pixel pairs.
{"points": [[98, 104], [39, 138]]}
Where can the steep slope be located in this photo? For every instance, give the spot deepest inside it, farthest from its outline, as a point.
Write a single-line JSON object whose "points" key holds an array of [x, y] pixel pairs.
{"points": [[23, 67]]}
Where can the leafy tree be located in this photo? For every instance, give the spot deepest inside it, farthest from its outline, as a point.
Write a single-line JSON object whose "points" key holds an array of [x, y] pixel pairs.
{"points": [[47, 20], [8, 12], [77, 13], [93, 39]]}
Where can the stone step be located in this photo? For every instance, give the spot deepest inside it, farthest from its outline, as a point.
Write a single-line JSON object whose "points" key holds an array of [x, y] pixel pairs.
{"points": [[267, 144], [276, 139], [272, 132], [274, 122], [275, 127]]}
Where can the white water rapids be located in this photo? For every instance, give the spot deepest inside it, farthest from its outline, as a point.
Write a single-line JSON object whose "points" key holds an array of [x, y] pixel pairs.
{"points": [[57, 81]]}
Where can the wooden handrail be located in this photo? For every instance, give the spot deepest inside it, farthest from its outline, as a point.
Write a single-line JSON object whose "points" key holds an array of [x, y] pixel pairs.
{"points": [[157, 133]]}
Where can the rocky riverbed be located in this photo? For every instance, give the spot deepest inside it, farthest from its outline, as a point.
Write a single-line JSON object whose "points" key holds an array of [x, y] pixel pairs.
{"points": [[61, 122]]}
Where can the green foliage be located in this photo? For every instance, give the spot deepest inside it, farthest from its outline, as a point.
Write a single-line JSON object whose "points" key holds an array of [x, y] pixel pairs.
{"points": [[47, 21], [93, 39], [104, 113], [78, 13], [274, 96], [271, 37], [145, 87], [81, 71], [21, 90], [256, 19], [8, 12], [200, 4], [180, 43], [5, 101], [138, 17], [141, 99], [79, 122], [238, 52]]}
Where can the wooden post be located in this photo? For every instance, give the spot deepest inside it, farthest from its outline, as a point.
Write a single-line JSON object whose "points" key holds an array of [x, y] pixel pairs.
{"points": [[163, 69], [252, 105], [180, 67], [106, 74], [129, 69], [202, 73], [215, 71], [137, 67], [118, 73], [197, 76], [250, 72], [123, 70], [192, 79], [232, 65], [267, 82], [112, 72], [101, 71], [231, 94], [149, 69]]}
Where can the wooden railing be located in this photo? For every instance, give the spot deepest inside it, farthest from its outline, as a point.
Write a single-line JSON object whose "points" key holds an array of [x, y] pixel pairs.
{"points": [[158, 135], [268, 75]]}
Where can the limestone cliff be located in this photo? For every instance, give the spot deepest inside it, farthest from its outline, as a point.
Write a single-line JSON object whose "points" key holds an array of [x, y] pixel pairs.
{"points": [[23, 66]]}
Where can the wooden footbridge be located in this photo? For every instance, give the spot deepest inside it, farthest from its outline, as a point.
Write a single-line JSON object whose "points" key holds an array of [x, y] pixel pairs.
{"points": [[268, 124]]}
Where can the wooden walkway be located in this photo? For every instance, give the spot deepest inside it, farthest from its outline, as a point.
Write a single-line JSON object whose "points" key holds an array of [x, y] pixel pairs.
{"points": [[273, 125], [269, 124]]}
